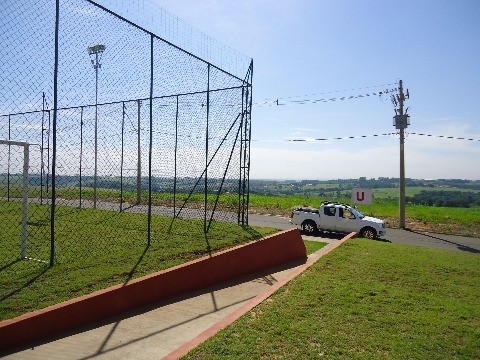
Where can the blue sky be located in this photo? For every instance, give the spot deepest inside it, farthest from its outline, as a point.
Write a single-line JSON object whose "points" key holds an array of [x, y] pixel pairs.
{"points": [[316, 49]]}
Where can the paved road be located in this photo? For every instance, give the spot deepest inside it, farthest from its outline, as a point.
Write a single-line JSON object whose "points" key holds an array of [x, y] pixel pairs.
{"points": [[397, 236]]}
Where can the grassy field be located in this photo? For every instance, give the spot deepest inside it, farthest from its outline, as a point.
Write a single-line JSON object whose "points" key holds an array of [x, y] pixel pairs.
{"points": [[96, 249], [385, 193], [447, 220], [393, 193], [368, 300]]}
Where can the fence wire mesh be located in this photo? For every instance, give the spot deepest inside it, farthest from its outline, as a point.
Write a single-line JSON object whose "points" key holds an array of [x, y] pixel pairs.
{"points": [[143, 135]]}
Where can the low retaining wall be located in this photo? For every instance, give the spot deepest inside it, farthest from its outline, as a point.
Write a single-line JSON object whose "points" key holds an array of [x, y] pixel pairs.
{"points": [[281, 248]]}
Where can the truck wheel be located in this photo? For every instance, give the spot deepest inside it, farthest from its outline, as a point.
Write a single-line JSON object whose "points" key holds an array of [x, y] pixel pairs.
{"points": [[368, 233], [309, 227]]}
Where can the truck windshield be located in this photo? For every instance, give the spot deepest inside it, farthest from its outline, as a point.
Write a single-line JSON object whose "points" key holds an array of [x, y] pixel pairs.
{"points": [[356, 213]]}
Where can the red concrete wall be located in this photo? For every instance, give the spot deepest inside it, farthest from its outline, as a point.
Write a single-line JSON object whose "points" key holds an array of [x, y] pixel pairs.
{"points": [[259, 255]]}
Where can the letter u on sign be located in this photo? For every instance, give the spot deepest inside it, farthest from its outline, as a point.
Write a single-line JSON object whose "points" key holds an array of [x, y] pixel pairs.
{"points": [[362, 196]]}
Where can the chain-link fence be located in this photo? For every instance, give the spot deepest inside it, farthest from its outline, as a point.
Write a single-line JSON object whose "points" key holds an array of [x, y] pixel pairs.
{"points": [[126, 134]]}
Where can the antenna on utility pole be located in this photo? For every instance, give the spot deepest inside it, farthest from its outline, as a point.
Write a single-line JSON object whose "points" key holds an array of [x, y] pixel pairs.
{"points": [[401, 121]]}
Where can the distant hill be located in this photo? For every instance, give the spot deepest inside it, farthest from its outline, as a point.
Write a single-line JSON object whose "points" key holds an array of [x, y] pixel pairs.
{"points": [[441, 192]]}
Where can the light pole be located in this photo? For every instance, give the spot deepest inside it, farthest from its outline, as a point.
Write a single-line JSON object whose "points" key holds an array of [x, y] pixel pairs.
{"points": [[95, 53]]}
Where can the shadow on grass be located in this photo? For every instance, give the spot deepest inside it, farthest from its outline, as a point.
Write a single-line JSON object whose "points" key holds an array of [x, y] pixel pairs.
{"points": [[460, 247], [131, 206], [209, 248], [5, 267], [27, 284], [381, 240], [323, 234], [251, 231], [139, 261]]}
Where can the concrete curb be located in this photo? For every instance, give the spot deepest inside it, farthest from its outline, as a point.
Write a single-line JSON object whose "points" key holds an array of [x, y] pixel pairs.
{"points": [[271, 251], [312, 259]]}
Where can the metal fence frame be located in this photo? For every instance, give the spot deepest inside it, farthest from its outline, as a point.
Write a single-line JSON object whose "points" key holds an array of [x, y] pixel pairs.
{"points": [[242, 126]]}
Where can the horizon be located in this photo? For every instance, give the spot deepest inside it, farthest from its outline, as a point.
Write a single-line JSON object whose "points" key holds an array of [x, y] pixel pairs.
{"points": [[365, 178]]}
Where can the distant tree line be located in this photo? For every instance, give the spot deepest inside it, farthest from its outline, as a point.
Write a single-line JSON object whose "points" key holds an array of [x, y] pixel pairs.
{"points": [[342, 187], [445, 198]]}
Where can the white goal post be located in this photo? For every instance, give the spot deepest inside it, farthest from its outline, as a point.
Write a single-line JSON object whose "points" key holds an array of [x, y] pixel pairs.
{"points": [[26, 159]]}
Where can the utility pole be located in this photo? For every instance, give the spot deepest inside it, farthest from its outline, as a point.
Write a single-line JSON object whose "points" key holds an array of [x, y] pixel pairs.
{"points": [[401, 122], [402, 161]]}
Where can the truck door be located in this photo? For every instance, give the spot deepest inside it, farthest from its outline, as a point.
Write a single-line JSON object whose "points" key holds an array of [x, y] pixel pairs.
{"points": [[328, 219], [346, 221]]}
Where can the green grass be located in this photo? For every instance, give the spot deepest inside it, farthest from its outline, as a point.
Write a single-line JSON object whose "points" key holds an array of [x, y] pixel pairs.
{"points": [[313, 246], [96, 249], [457, 221], [448, 220], [366, 299], [393, 193]]}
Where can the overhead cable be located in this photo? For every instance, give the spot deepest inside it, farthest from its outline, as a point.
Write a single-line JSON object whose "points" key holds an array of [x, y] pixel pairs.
{"points": [[280, 101], [340, 138], [331, 92], [444, 136], [385, 134]]}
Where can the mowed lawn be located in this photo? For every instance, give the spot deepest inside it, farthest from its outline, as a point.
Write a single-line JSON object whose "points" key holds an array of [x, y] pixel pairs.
{"points": [[96, 249], [365, 300]]}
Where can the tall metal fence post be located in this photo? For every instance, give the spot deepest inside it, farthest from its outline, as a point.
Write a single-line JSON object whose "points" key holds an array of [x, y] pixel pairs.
{"points": [[81, 153], [206, 151], [47, 185], [26, 161], [242, 119], [121, 157], [41, 149], [249, 119], [150, 145], [244, 182], [175, 165], [9, 154], [95, 176], [139, 156], [54, 140]]}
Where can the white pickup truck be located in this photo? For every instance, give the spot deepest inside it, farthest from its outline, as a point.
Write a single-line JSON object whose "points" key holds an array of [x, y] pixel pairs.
{"points": [[337, 218]]}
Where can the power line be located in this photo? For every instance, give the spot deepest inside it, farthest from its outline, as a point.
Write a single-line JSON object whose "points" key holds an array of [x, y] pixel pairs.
{"points": [[282, 102], [332, 92], [384, 134], [444, 136], [341, 138]]}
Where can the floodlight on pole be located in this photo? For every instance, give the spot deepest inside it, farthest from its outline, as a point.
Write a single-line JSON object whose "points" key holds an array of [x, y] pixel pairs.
{"points": [[95, 53]]}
